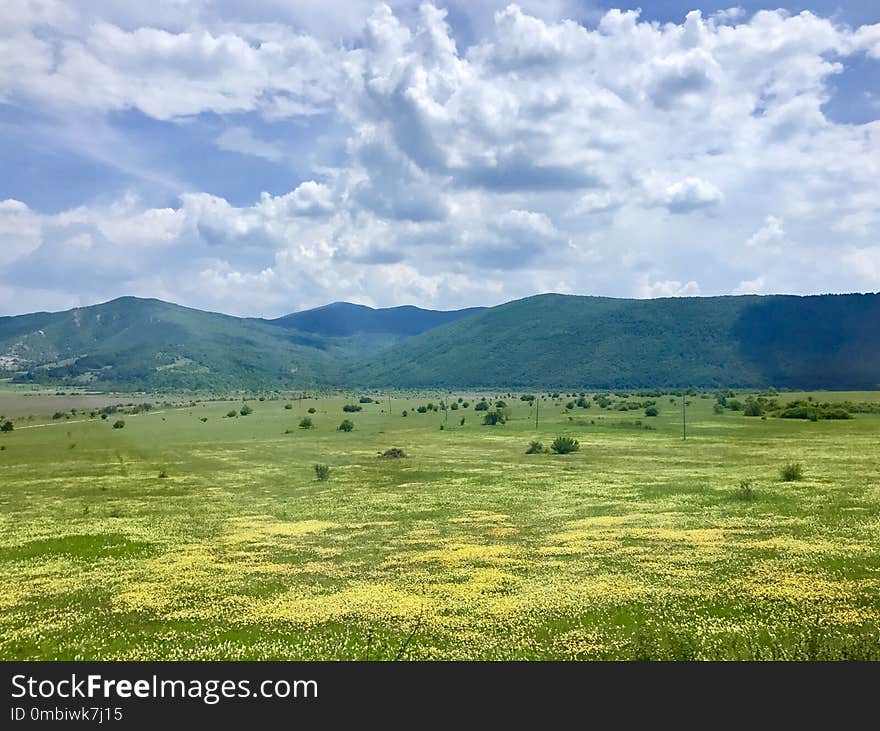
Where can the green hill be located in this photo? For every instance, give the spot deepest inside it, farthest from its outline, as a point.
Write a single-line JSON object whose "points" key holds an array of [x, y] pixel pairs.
{"points": [[343, 319], [823, 341], [147, 344], [546, 341]]}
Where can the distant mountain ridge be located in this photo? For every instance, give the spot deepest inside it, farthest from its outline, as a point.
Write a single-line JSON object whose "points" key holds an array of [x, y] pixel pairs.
{"points": [[343, 319], [544, 341]]}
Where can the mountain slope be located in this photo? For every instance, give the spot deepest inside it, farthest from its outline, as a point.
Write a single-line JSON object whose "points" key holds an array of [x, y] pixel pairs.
{"points": [[343, 319], [823, 341], [132, 343]]}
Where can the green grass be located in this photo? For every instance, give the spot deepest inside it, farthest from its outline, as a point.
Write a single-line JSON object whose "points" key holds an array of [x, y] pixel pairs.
{"points": [[637, 546]]}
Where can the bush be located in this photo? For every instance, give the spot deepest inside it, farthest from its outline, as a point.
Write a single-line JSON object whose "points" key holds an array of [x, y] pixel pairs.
{"points": [[351, 408], [118, 424], [245, 410], [651, 411], [535, 447], [365, 400], [422, 409], [7, 426], [203, 419], [322, 472], [404, 413], [346, 425], [58, 415], [163, 474], [565, 445], [753, 408], [311, 409], [500, 405], [791, 472], [482, 406], [465, 404], [306, 423], [570, 405], [232, 413], [393, 453], [745, 491], [288, 406], [454, 406], [492, 418], [461, 423]]}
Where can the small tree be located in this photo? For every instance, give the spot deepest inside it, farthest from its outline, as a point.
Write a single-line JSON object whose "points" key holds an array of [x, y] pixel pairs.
{"points": [[311, 409], [753, 408], [481, 406], [118, 424], [351, 408], [565, 445], [6, 426], [322, 472], [232, 413], [306, 423], [651, 411], [346, 425], [791, 472], [245, 410], [492, 418], [288, 406], [535, 447]]}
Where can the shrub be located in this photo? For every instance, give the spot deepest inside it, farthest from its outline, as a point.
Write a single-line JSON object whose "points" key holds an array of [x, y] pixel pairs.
{"points": [[745, 491], [422, 409], [245, 410], [288, 406], [465, 404], [753, 408], [393, 453], [582, 403], [7, 426], [570, 405], [118, 424], [163, 474], [322, 472], [311, 409], [461, 423], [404, 413], [500, 405], [306, 423], [346, 425], [365, 400], [651, 411], [58, 415], [454, 406], [482, 406], [791, 472], [491, 418], [565, 445], [535, 447], [203, 419], [230, 414], [351, 408]]}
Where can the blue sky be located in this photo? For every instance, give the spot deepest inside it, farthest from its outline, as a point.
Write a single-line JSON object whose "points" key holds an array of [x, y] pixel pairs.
{"points": [[265, 157]]}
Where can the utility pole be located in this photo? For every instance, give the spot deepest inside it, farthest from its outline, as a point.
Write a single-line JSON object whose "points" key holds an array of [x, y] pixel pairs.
{"points": [[537, 404], [683, 416]]}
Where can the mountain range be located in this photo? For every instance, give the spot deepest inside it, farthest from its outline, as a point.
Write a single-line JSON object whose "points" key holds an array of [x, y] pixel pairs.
{"points": [[544, 341]]}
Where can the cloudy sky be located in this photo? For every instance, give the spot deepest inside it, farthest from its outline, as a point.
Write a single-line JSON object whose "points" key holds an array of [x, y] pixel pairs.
{"points": [[260, 158]]}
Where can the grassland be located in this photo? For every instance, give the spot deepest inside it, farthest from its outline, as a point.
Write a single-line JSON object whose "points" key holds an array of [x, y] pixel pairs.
{"points": [[188, 534]]}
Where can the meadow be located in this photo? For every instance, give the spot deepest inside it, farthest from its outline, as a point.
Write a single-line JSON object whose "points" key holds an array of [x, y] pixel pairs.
{"points": [[191, 534]]}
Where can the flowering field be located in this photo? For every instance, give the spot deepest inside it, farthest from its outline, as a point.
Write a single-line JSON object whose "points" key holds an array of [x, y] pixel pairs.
{"points": [[191, 534]]}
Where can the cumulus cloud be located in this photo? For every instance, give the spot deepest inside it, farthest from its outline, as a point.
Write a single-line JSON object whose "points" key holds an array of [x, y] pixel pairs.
{"points": [[624, 158]]}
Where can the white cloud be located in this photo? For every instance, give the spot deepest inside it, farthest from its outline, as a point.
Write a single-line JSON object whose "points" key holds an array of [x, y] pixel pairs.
{"points": [[768, 236], [627, 158], [241, 139]]}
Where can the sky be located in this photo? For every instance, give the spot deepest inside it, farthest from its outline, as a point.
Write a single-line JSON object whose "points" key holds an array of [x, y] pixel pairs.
{"points": [[265, 157]]}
